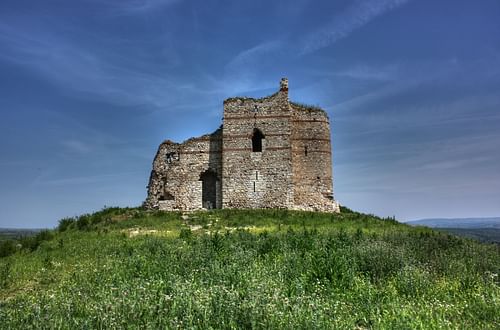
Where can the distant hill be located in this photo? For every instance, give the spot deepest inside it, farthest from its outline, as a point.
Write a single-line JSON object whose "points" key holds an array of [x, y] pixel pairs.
{"points": [[14, 233], [466, 223], [481, 234], [482, 229]]}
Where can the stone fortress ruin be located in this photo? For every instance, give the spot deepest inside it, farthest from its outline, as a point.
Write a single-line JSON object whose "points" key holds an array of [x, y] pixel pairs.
{"points": [[268, 153]]}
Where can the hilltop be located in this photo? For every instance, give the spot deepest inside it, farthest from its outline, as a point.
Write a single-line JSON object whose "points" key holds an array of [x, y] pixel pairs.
{"points": [[132, 268]]}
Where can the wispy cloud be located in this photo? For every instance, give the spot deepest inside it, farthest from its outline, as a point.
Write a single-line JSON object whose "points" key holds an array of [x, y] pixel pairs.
{"points": [[242, 72], [250, 61], [353, 18], [101, 73], [365, 72], [247, 56], [136, 7], [49, 178], [438, 165], [413, 103], [76, 146], [453, 164]]}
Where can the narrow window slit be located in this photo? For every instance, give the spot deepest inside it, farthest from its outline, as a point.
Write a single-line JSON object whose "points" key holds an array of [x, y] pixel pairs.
{"points": [[257, 138]]}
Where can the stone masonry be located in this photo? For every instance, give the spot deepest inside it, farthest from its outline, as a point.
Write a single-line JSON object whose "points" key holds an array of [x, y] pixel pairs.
{"points": [[268, 153]]}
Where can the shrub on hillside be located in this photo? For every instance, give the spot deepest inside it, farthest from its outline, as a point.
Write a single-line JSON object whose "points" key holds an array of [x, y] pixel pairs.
{"points": [[31, 243], [65, 224], [344, 209], [5, 274], [7, 248], [83, 222]]}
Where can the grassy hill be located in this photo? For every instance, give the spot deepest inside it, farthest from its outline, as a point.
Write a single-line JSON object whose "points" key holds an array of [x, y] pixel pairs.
{"points": [[128, 268]]}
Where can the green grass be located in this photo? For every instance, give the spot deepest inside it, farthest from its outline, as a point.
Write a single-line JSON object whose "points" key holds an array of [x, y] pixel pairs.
{"points": [[128, 268]]}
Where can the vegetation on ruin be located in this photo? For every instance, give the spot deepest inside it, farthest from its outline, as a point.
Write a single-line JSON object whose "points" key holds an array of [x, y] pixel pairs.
{"points": [[130, 268], [307, 106]]}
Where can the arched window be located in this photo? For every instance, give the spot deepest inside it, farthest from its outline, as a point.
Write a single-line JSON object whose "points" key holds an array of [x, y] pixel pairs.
{"points": [[257, 138]]}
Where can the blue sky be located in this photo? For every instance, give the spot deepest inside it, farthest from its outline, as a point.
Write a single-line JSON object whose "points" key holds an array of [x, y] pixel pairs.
{"points": [[89, 88]]}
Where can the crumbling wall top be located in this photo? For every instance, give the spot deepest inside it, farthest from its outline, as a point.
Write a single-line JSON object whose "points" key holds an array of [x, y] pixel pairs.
{"points": [[308, 108], [193, 139], [251, 99]]}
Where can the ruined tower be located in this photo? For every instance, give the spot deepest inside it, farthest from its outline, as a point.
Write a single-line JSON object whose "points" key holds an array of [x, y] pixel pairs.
{"points": [[269, 153]]}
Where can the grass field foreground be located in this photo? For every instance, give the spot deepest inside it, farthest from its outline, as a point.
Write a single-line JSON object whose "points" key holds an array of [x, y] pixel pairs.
{"points": [[130, 268]]}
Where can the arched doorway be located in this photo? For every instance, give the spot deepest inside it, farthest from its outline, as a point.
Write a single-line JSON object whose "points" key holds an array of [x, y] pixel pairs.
{"points": [[208, 189]]}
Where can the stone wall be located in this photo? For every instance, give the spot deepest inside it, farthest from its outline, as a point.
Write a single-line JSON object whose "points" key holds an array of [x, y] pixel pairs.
{"points": [[312, 159], [182, 171], [257, 179], [269, 153]]}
